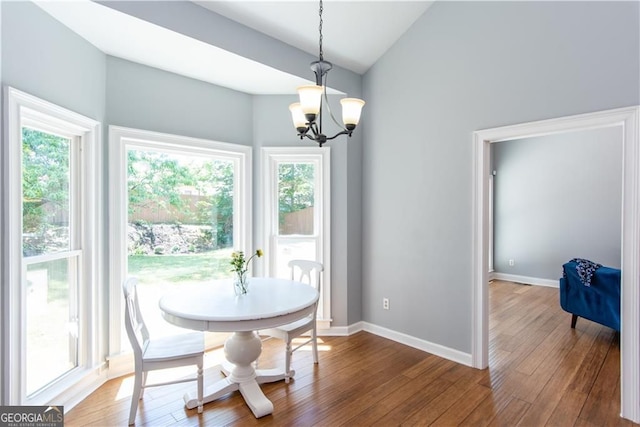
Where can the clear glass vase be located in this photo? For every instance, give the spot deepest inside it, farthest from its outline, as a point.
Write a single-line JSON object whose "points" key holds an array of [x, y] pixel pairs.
{"points": [[241, 284]]}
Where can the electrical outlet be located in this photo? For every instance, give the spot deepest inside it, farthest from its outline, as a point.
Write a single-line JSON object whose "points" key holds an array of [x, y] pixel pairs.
{"points": [[385, 303], [511, 263]]}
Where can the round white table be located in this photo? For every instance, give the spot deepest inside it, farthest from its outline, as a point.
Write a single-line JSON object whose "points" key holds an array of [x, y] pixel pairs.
{"points": [[214, 307]]}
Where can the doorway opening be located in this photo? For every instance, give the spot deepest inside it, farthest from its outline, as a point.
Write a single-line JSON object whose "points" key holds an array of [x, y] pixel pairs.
{"points": [[629, 119]]}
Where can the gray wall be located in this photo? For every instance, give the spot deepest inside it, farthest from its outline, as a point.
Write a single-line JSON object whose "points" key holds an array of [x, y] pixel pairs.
{"points": [[557, 197], [148, 98], [42, 57], [465, 66]]}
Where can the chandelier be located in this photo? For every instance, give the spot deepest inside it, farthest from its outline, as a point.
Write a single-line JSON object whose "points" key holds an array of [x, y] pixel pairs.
{"points": [[307, 114]]}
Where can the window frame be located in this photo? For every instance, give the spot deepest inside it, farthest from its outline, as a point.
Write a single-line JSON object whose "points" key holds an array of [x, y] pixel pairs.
{"points": [[120, 138], [25, 109], [271, 158]]}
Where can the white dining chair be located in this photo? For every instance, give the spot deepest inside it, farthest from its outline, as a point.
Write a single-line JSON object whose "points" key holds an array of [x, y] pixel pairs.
{"points": [[161, 353], [308, 272]]}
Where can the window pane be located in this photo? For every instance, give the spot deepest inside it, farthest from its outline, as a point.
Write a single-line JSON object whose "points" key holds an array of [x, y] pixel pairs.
{"points": [[52, 333], [45, 192], [296, 198], [292, 248], [180, 224]]}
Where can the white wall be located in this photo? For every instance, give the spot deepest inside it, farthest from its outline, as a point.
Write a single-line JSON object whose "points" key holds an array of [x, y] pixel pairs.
{"points": [[466, 66], [557, 197]]}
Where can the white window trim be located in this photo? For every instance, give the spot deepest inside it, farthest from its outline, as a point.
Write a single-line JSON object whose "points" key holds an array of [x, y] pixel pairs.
{"points": [[322, 156], [20, 106], [119, 139]]}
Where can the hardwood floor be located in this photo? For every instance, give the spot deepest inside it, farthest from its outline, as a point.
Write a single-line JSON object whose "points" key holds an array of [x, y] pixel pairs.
{"points": [[542, 373]]}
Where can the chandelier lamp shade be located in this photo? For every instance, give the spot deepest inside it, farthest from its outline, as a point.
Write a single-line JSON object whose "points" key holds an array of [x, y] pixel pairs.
{"points": [[307, 114]]}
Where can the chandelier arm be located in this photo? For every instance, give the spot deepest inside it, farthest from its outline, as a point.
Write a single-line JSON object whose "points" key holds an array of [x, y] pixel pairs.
{"points": [[302, 132], [344, 132], [319, 121], [315, 130], [326, 98]]}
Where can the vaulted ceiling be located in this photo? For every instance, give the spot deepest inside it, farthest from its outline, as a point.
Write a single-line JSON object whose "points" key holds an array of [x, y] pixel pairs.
{"points": [[355, 35]]}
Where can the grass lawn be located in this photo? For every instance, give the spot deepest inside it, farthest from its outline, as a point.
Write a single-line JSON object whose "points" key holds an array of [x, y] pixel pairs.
{"points": [[176, 269]]}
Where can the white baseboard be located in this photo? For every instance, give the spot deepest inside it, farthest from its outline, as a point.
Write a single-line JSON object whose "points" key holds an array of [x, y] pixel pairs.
{"points": [[524, 279], [435, 349], [341, 331]]}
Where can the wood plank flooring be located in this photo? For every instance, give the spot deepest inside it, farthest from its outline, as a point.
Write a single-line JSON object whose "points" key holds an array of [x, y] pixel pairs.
{"points": [[542, 373]]}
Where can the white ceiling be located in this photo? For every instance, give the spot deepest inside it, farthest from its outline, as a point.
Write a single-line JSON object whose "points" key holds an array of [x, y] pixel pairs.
{"points": [[355, 35]]}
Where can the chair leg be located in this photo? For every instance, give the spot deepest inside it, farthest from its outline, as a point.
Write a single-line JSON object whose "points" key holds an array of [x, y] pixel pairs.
{"points": [[136, 396], [574, 319], [144, 383], [287, 362], [200, 387], [314, 341]]}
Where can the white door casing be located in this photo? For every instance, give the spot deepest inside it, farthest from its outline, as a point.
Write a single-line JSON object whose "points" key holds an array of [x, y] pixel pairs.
{"points": [[629, 119]]}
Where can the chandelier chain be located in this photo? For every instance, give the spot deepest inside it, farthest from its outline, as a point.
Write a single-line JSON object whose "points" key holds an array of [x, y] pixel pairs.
{"points": [[320, 30]]}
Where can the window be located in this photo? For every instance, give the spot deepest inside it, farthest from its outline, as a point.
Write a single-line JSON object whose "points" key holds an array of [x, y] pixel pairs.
{"points": [[179, 207], [297, 213], [52, 247]]}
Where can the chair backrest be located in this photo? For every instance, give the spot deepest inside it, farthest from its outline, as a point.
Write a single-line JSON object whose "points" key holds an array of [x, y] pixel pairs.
{"points": [[134, 324], [306, 271]]}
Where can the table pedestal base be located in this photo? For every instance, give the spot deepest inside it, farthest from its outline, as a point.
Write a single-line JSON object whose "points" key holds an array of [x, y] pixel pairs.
{"points": [[242, 349]]}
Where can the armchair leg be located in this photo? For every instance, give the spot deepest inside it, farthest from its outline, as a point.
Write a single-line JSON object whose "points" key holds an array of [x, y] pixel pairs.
{"points": [[574, 319]]}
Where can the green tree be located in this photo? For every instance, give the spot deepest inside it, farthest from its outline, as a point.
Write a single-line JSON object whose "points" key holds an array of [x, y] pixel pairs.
{"points": [[154, 180], [216, 179], [296, 188], [158, 181], [45, 179]]}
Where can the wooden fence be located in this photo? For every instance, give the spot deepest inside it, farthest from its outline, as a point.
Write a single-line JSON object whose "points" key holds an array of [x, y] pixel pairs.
{"points": [[157, 213], [298, 222]]}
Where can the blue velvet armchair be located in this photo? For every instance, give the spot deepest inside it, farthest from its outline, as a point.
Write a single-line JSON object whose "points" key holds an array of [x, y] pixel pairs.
{"points": [[598, 301]]}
